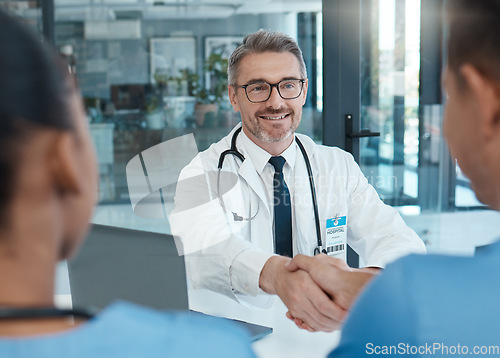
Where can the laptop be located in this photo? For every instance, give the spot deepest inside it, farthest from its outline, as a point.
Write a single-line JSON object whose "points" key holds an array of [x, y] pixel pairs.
{"points": [[136, 266]]}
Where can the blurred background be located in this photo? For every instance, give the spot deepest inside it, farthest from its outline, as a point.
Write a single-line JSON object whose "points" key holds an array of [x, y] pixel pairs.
{"points": [[150, 71]]}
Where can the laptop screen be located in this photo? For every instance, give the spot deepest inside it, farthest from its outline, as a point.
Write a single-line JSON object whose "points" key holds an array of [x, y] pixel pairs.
{"points": [[137, 266]]}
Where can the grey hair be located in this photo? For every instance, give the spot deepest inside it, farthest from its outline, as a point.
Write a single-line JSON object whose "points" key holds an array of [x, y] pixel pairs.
{"points": [[260, 42]]}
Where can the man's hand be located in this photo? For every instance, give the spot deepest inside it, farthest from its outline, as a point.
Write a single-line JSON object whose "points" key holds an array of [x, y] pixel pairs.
{"points": [[302, 296], [340, 282]]}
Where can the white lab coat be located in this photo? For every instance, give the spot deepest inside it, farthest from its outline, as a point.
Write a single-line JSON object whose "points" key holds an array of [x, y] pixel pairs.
{"points": [[227, 256]]}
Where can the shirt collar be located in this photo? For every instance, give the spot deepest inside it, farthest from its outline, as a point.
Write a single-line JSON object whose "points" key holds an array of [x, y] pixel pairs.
{"points": [[260, 157]]}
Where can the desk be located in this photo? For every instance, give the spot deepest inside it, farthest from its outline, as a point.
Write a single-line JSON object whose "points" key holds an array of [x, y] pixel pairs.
{"points": [[286, 340]]}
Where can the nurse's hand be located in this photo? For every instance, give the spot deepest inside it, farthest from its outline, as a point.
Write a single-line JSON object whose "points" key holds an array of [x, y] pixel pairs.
{"points": [[304, 299], [341, 283]]}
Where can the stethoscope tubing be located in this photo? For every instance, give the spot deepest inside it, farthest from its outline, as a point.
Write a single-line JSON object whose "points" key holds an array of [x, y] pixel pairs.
{"points": [[313, 197], [234, 151]]}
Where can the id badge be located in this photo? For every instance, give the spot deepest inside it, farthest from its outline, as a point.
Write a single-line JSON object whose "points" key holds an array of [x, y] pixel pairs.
{"points": [[336, 236]]}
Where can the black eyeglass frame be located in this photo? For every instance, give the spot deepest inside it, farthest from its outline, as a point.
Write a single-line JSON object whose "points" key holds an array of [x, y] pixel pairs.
{"points": [[301, 80]]}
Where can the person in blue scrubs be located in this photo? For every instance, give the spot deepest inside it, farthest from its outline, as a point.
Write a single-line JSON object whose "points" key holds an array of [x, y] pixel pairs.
{"points": [[48, 188], [441, 306]]}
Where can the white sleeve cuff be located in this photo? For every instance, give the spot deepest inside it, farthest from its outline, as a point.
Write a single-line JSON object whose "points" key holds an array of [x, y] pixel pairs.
{"points": [[245, 270]]}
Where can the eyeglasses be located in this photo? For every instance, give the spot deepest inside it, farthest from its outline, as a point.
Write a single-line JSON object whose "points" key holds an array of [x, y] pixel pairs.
{"points": [[261, 91]]}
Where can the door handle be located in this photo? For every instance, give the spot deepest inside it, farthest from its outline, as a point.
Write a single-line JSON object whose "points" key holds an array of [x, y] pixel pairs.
{"points": [[351, 136], [363, 133]]}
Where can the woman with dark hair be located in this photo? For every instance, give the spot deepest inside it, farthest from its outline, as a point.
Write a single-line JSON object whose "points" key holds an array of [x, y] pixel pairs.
{"points": [[48, 187]]}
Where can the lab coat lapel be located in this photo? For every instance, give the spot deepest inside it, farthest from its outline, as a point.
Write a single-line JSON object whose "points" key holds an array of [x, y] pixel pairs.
{"points": [[248, 172]]}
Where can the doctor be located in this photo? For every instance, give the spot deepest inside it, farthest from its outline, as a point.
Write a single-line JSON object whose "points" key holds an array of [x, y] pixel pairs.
{"points": [[240, 225]]}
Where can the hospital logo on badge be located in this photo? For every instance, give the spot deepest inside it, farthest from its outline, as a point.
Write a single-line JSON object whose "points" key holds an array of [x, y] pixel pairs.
{"points": [[336, 234], [336, 221]]}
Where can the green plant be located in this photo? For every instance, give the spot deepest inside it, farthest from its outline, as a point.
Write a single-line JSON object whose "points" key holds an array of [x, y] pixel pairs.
{"points": [[191, 78], [215, 67], [153, 103], [154, 99], [185, 84]]}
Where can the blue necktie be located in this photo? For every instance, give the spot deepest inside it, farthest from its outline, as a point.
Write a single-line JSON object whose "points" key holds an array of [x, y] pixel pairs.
{"points": [[282, 210]]}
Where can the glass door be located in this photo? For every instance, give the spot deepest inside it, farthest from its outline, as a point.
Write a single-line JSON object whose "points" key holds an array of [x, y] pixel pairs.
{"points": [[389, 97], [382, 78], [377, 114]]}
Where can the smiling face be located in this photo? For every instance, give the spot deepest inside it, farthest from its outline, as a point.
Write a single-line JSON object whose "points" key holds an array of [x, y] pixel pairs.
{"points": [[269, 124]]}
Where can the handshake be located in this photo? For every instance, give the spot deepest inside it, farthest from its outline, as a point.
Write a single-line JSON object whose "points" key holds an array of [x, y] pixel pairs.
{"points": [[318, 291]]}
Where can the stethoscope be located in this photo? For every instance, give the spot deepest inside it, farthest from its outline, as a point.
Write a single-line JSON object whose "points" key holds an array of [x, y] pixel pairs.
{"points": [[233, 151]]}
